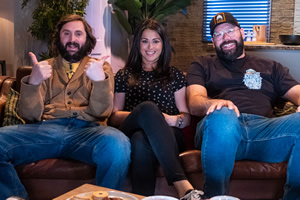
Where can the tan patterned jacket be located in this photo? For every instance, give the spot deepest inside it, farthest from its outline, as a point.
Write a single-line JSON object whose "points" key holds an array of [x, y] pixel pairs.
{"points": [[59, 97]]}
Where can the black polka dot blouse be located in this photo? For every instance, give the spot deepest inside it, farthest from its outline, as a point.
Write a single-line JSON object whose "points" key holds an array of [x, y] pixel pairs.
{"points": [[145, 90]]}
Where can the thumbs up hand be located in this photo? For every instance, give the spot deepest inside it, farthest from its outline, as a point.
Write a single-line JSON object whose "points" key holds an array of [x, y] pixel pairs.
{"points": [[94, 69], [40, 71]]}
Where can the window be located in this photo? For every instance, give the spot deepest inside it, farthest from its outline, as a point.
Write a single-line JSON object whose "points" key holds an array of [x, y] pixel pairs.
{"points": [[248, 13]]}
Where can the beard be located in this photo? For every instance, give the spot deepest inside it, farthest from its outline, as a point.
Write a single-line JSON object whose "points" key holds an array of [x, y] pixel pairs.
{"points": [[231, 55], [76, 57]]}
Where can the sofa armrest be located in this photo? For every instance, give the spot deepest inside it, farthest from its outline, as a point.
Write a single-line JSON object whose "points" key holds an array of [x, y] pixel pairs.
{"points": [[21, 72]]}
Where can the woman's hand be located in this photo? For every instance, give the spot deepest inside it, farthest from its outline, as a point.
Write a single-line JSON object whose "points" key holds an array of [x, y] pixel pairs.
{"points": [[171, 119]]}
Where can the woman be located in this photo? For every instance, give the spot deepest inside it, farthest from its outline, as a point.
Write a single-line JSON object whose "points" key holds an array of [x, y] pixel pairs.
{"points": [[150, 108]]}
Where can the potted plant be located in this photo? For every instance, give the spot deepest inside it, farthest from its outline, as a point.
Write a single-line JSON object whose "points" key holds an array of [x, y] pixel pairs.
{"points": [[131, 12], [47, 14]]}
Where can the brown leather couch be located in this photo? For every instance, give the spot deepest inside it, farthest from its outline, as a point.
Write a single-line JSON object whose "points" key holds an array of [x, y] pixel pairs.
{"points": [[49, 178]]}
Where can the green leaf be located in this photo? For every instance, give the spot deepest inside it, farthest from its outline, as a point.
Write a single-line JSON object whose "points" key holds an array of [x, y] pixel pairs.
{"points": [[173, 7], [121, 4], [47, 14], [139, 3], [134, 7], [159, 3], [139, 10], [45, 55], [159, 17], [24, 3], [179, 4], [123, 21], [150, 2]]}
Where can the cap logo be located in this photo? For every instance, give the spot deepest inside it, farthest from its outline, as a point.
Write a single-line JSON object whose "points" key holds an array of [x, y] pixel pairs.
{"points": [[220, 18]]}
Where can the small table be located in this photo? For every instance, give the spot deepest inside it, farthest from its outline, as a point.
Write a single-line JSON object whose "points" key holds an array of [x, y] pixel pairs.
{"points": [[90, 188]]}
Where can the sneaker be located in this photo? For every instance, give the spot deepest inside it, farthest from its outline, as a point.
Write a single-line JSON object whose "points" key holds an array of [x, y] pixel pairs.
{"points": [[193, 195]]}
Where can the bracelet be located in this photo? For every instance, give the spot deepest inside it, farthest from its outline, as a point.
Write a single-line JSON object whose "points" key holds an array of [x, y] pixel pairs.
{"points": [[180, 121]]}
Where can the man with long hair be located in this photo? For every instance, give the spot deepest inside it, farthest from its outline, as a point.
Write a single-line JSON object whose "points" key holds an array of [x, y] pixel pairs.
{"points": [[66, 101]]}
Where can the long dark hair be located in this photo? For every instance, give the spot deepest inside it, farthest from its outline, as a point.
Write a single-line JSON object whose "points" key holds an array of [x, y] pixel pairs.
{"points": [[90, 38], [134, 62]]}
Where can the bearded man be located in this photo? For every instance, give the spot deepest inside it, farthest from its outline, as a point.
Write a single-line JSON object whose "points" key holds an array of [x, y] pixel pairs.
{"points": [[235, 94], [66, 101]]}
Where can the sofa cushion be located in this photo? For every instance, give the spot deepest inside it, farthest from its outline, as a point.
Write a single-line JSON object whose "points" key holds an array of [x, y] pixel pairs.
{"points": [[11, 116], [287, 109], [244, 169], [56, 168]]}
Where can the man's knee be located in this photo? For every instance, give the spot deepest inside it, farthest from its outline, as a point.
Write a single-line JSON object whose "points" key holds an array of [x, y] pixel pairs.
{"points": [[224, 119], [223, 115], [114, 146], [220, 125]]}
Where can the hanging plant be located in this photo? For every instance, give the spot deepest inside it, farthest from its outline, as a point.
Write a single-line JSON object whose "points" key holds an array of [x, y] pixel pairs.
{"points": [[131, 12], [48, 13]]}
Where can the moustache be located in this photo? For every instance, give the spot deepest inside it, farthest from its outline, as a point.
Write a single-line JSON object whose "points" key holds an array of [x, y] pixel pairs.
{"points": [[72, 44]]}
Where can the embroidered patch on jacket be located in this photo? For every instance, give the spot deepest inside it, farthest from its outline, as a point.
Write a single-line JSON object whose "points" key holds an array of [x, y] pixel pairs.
{"points": [[252, 79]]}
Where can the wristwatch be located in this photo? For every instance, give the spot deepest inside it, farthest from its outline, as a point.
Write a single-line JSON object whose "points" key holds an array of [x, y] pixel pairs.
{"points": [[180, 121]]}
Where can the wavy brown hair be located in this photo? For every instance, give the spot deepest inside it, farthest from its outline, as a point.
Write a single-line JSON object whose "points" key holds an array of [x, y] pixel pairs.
{"points": [[134, 62], [90, 38]]}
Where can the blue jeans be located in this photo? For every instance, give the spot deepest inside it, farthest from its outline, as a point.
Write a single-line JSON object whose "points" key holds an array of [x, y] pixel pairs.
{"points": [[223, 138], [101, 146]]}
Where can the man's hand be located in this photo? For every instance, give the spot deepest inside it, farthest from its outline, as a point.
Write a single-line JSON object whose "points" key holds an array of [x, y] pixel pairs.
{"points": [[219, 103], [94, 69], [40, 71], [298, 109]]}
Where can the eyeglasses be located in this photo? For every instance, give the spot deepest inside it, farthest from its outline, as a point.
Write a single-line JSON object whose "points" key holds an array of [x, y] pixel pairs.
{"points": [[231, 32]]}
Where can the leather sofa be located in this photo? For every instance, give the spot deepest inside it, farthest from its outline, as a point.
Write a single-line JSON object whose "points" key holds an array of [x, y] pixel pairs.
{"points": [[49, 178]]}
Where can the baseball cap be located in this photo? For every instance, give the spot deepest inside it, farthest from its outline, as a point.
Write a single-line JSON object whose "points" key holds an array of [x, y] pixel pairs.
{"points": [[220, 18]]}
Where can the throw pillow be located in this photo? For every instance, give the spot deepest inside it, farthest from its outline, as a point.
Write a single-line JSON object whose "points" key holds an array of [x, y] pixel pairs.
{"points": [[288, 108], [11, 116]]}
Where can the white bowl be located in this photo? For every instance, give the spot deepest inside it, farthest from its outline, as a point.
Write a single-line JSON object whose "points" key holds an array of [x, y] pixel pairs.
{"points": [[159, 197], [224, 197]]}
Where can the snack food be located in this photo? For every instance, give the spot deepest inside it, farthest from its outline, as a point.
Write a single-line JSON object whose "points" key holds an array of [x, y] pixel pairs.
{"points": [[100, 195], [76, 197]]}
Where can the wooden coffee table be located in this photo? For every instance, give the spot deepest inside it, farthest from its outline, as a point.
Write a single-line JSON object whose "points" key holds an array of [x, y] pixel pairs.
{"points": [[90, 188]]}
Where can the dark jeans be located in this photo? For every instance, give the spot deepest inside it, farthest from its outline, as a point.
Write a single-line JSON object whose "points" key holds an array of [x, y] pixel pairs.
{"points": [[153, 141]]}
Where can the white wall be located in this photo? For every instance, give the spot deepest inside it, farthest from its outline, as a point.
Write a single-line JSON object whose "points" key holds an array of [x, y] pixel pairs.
{"points": [[119, 44], [112, 39], [7, 33], [99, 18]]}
